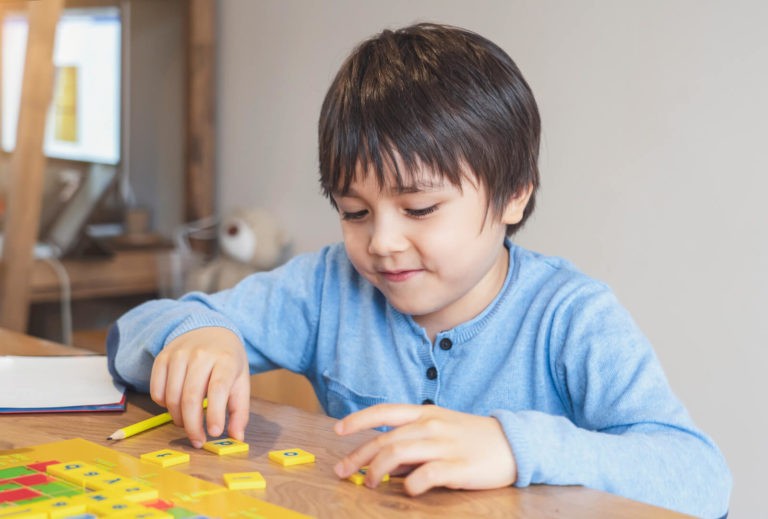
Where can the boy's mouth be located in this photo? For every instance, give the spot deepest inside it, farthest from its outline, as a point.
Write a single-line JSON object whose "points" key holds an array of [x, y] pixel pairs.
{"points": [[398, 275]]}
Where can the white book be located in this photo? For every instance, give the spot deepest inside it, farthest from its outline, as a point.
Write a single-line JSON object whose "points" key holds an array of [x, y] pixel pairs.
{"points": [[58, 384]]}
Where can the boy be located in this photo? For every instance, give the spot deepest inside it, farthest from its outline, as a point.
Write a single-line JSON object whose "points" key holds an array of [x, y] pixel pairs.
{"points": [[487, 365]]}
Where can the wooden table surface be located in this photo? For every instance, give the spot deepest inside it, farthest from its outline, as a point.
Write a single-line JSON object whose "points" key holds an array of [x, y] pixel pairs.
{"points": [[311, 489]]}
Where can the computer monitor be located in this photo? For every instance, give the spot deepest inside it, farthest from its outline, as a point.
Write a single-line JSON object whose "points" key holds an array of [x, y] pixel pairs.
{"points": [[67, 233], [84, 117], [69, 227]]}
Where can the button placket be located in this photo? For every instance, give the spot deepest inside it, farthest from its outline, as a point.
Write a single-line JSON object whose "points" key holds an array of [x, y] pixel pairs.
{"points": [[431, 386]]}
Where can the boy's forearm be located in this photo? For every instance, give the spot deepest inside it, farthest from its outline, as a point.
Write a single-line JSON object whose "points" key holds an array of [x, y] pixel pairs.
{"points": [[657, 464]]}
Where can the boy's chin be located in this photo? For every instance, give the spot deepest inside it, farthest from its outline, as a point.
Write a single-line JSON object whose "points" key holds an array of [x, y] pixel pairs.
{"points": [[413, 309]]}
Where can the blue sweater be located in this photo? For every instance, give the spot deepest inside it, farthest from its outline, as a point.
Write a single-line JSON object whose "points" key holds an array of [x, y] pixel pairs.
{"points": [[555, 358]]}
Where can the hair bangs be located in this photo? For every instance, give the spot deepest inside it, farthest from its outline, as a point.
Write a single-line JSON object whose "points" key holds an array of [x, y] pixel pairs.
{"points": [[391, 148]]}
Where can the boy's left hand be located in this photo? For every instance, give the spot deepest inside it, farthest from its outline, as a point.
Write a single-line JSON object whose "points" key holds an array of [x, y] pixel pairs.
{"points": [[445, 448]]}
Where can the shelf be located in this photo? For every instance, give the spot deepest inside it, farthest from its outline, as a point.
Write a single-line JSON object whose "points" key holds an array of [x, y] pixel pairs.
{"points": [[125, 273]]}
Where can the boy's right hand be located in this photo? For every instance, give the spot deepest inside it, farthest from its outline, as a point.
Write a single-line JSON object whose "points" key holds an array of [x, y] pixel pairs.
{"points": [[207, 362]]}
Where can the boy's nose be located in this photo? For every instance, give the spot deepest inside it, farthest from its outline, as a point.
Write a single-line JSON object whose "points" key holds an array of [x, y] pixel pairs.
{"points": [[386, 238]]}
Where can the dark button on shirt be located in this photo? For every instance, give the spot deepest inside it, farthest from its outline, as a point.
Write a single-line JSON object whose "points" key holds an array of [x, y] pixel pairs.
{"points": [[427, 401], [446, 344], [432, 373]]}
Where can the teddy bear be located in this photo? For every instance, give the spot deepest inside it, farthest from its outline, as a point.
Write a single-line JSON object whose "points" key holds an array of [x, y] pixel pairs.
{"points": [[250, 240]]}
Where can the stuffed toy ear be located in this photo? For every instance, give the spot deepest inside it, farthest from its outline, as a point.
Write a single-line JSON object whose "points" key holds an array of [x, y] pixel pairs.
{"points": [[250, 240], [254, 237], [237, 240]]}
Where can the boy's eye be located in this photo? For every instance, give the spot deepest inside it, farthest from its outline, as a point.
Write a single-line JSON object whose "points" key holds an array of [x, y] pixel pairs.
{"points": [[419, 213], [356, 215]]}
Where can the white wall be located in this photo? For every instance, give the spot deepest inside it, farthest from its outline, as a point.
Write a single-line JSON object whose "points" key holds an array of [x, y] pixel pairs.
{"points": [[654, 164]]}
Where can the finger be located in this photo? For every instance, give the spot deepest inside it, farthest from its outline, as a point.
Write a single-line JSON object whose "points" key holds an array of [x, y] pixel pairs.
{"points": [[239, 407], [439, 473], [194, 392], [394, 457], [220, 383], [157, 380], [192, 414], [215, 416], [383, 443], [176, 376], [391, 415]]}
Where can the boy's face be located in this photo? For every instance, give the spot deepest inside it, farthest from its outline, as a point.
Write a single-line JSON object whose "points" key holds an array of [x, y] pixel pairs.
{"points": [[433, 249]]}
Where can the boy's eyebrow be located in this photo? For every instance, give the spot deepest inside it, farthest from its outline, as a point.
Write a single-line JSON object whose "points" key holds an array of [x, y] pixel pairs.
{"points": [[414, 188], [400, 190]]}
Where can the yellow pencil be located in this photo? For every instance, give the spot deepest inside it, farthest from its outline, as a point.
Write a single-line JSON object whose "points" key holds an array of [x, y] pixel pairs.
{"points": [[145, 425]]}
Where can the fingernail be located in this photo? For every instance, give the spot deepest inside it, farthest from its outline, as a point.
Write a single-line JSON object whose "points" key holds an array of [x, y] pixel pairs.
{"points": [[197, 444], [339, 469], [215, 431], [339, 428]]}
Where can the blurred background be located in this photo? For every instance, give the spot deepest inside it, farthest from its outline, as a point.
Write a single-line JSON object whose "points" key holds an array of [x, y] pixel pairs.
{"points": [[654, 164]]}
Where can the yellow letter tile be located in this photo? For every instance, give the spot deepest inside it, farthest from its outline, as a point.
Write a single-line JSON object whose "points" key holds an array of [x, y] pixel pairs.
{"points": [[83, 474], [72, 471], [136, 492], [59, 507], [103, 503], [225, 446], [107, 481], [166, 457], [243, 480], [291, 457], [358, 478]]}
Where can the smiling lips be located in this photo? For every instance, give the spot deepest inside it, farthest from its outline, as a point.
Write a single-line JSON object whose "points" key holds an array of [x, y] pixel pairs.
{"points": [[398, 275]]}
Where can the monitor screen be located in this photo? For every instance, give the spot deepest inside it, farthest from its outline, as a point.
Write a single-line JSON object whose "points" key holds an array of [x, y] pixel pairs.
{"points": [[84, 117]]}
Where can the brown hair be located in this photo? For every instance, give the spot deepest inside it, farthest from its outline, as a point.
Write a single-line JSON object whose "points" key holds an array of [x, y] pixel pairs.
{"points": [[435, 95]]}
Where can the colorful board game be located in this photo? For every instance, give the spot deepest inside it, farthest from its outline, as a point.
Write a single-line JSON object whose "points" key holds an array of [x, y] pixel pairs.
{"points": [[81, 479]]}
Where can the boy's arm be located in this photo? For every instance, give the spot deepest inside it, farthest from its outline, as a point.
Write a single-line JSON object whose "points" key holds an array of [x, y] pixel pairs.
{"points": [[273, 314], [201, 345], [626, 432], [138, 336]]}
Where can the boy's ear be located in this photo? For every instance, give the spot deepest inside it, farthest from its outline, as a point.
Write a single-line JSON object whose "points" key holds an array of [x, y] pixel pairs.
{"points": [[513, 212]]}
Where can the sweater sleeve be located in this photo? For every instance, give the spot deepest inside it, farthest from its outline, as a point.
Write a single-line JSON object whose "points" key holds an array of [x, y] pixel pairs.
{"points": [[626, 432], [273, 313]]}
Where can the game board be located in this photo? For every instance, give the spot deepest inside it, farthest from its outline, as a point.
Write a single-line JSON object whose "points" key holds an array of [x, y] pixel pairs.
{"points": [[81, 479]]}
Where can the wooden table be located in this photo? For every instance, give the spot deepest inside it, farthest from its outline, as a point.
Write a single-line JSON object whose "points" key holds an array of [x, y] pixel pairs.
{"points": [[311, 489]]}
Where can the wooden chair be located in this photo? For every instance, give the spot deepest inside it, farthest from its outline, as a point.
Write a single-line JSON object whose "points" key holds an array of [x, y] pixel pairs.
{"points": [[27, 164]]}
